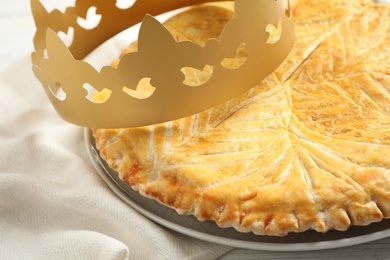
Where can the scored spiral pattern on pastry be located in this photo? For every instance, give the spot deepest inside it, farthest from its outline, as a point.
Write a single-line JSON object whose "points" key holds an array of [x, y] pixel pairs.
{"points": [[306, 149]]}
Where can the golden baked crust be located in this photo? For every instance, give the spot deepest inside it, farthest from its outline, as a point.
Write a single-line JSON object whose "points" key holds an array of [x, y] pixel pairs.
{"points": [[305, 149]]}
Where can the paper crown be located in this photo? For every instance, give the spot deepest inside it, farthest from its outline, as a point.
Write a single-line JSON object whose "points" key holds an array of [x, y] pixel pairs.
{"points": [[159, 61]]}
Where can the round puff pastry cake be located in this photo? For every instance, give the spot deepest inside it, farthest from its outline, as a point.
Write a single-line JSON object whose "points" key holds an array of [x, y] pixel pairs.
{"points": [[308, 148]]}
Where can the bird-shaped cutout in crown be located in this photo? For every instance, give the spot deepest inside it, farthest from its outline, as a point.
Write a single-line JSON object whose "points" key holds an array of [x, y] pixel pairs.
{"points": [[160, 60]]}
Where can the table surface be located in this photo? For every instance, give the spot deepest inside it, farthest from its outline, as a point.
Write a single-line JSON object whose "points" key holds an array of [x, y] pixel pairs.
{"points": [[16, 43]]}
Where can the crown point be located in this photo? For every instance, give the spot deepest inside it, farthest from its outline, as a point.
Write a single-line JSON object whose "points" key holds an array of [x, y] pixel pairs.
{"points": [[152, 33], [39, 11]]}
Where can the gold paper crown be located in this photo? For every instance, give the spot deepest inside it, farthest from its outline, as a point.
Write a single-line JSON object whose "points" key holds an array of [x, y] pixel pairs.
{"points": [[159, 59]]}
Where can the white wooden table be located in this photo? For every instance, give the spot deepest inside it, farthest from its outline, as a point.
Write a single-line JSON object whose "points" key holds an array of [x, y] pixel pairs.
{"points": [[17, 30]]}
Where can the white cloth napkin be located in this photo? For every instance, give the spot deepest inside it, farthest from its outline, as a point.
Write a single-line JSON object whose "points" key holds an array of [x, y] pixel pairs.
{"points": [[53, 204]]}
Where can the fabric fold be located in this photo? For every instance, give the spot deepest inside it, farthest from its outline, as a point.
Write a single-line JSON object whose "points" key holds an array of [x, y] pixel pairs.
{"points": [[53, 204]]}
